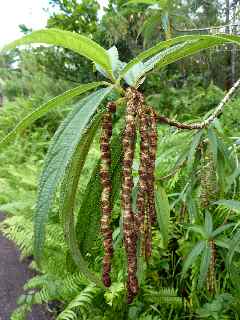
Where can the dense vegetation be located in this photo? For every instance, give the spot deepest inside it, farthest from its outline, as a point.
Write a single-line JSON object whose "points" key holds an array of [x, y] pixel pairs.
{"points": [[193, 269]]}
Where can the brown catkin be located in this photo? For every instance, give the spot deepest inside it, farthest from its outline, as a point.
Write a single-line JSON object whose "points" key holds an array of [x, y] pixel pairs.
{"points": [[211, 271], [143, 169], [146, 194], [152, 155], [106, 192], [208, 178], [134, 101]]}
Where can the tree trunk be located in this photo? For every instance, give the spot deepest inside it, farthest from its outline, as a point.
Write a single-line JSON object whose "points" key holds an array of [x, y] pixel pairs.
{"points": [[234, 48], [227, 15]]}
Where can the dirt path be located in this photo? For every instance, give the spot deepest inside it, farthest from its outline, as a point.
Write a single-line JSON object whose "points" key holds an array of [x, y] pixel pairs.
{"points": [[13, 275]]}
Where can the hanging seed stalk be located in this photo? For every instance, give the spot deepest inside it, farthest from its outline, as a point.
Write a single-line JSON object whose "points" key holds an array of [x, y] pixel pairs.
{"points": [[130, 225], [138, 117], [211, 272], [106, 192]]}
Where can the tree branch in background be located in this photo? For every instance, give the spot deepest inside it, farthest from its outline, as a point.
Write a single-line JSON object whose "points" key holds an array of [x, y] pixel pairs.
{"points": [[208, 121], [212, 30]]}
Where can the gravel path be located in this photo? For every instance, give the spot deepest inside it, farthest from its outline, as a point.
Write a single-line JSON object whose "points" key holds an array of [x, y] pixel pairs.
{"points": [[13, 275]]}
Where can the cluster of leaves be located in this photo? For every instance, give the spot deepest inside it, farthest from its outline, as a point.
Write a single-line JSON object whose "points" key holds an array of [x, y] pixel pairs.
{"points": [[174, 284]]}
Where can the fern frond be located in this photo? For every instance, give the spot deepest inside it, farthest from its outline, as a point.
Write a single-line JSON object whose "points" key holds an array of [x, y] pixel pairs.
{"points": [[163, 296], [21, 312], [20, 230], [82, 303]]}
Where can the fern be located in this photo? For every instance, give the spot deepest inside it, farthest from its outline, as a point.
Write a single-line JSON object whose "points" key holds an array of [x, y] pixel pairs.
{"points": [[21, 312], [81, 304], [167, 296], [20, 230], [46, 288]]}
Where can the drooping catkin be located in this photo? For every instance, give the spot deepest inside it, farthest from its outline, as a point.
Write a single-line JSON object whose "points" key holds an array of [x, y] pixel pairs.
{"points": [[211, 271], [142, 196], [146, 194], [208, 178], [106, 192], [134, 101], [143, 171], [152, 122]]}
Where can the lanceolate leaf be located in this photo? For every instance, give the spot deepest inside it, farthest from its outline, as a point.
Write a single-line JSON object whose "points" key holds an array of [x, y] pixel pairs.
{"points": [[205, 263], [196, 251], [213, 143], [199, 42], [69, 40], [231, 204], [232, 178], [114, 61], [199, 229], [162, 56], [188, 48], [195, 142], [89, 213], [135, 75], [163, 213], [59, 155], [221, 229], [69, 191], [208, 224], [48, 106], [234, 246]]}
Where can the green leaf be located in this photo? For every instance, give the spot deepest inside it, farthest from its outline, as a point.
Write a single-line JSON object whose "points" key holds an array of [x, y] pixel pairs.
{"points": [[133, 76], [88, 217], [59, 155], [234, 246], [48, 106], [163, 213], [225, 165], [69, 190], [221, 229], [222, 243], [188, 48], [198, 229], [69, 40], [231, 179], [80, 305], [231, 204], [114, 58], [205, 262], [196, 251], [114, 61], [162, 56], [213, 142], [199, 42], [166, 24], [195, 142], [149, 27], [208, 225]]}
